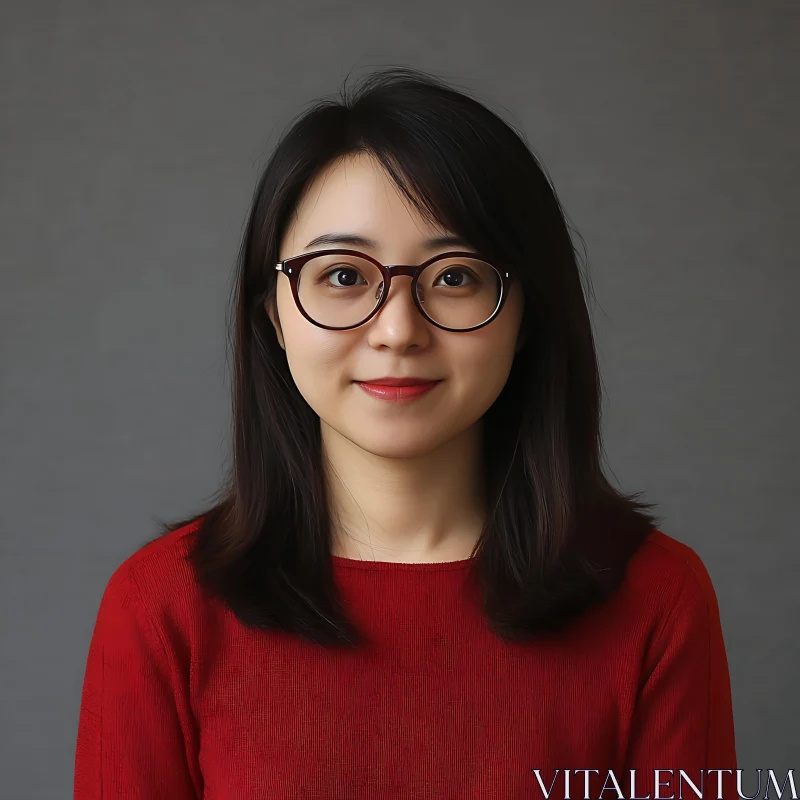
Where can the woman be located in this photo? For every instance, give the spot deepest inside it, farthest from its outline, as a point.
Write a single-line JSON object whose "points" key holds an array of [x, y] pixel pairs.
{"points": [[417, 582]]}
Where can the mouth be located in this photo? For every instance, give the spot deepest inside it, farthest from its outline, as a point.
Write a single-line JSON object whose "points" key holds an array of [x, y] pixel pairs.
{"points": [[397, 393]]}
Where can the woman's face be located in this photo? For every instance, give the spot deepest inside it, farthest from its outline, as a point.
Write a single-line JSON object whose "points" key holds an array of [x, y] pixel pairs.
{"points": [[356, 196]]}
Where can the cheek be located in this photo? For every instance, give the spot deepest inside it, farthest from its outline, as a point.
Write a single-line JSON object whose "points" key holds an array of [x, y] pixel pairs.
{"points": [[484, 365], [486, 354], [483, 375], [478, 373], [317, 360], [301, 338]]}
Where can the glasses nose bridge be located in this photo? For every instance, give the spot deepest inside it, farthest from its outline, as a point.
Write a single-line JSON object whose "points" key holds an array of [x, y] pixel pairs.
{"points": [[397, 270]]}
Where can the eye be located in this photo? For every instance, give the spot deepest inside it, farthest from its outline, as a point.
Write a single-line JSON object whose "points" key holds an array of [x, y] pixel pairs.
{"points": [[350, 277], [454, 277]]}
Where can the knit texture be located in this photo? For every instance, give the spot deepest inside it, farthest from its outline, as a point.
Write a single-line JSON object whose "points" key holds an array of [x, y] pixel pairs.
{"points": [[181, 701]]}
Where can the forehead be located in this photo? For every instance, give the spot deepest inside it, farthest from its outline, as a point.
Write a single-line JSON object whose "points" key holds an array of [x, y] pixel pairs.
{"points": [[355, 194]]}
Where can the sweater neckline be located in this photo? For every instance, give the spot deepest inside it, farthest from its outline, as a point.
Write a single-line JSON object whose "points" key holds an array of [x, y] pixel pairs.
{"points": [[401, 566]]}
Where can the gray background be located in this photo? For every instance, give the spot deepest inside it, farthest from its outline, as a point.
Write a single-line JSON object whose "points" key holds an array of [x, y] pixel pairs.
{"points": [[131, 140]]}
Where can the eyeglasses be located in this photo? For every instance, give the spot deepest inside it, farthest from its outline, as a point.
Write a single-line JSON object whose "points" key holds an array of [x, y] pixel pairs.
{"points": [[342, 289]]}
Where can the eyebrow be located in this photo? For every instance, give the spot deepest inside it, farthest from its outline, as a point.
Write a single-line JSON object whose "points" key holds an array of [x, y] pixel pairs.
{"points": [[356, 240]]}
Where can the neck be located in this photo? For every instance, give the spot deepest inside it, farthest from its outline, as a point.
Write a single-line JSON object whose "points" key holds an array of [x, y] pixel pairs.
{"points": [[423, 508]]}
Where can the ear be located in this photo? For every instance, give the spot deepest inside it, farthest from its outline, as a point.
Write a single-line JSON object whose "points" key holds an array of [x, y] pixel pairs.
{"points": [[272, 312]]}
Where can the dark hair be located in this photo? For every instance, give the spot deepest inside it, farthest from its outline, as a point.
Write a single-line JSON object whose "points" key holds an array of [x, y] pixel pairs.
{"points": [[557, 535]]}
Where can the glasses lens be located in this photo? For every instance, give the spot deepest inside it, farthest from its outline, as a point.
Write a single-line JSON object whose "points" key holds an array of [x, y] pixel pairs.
{"points": [[339, 290], [342, 290], [459, 292]]}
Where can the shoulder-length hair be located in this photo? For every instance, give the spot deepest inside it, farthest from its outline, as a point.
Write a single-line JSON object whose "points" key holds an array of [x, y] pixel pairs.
{"points": [[557, 535]]}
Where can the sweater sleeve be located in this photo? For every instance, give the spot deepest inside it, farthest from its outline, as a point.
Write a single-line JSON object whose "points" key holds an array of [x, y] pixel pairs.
{"points": [[683, 718], [130, 741]]}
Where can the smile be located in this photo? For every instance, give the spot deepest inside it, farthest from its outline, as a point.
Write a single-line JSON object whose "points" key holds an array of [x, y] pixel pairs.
{"points": [[397, 394]]}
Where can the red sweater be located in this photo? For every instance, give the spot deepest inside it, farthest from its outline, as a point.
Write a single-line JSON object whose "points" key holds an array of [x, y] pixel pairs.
{"points": [[180, 700]]}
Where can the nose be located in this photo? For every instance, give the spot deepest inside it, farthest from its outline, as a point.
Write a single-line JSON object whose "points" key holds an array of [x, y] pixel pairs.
{"points": [[399, 323]]}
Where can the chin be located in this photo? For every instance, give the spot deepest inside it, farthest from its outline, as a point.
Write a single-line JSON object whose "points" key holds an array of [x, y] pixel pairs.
{"points": [[395, 453], [390, 445]]}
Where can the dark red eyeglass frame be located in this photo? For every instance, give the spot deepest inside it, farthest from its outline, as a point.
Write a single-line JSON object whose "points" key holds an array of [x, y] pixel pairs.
{"points": [[291, 267]]}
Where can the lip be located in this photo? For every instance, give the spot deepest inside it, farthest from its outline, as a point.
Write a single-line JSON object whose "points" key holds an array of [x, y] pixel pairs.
{"points": [[395, 392], [390, 381]]}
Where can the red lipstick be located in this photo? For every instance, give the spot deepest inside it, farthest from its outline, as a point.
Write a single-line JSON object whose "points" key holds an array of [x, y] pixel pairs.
{"points": [[397, 389]]}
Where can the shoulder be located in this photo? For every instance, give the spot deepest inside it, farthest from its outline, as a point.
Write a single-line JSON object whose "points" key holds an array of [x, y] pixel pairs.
{"points": [[667, 581], [159, 578], [670, 563], [166, 553]]}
